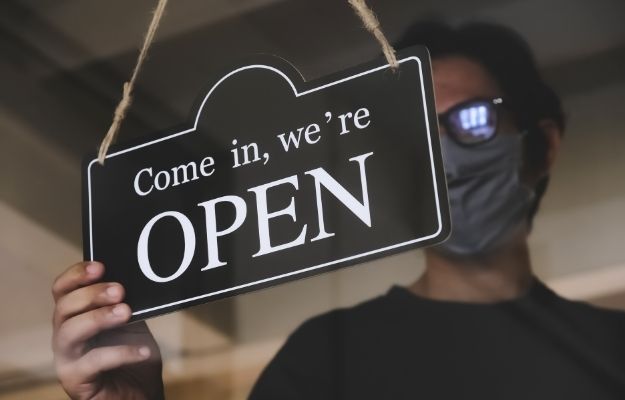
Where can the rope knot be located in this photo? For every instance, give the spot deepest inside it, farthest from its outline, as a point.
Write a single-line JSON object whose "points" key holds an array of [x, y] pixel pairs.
{"points": [[124, 103]]}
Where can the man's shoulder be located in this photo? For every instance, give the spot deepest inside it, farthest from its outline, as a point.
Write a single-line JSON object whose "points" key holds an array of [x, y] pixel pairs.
{"points": [[592, 325], [587, 312]]}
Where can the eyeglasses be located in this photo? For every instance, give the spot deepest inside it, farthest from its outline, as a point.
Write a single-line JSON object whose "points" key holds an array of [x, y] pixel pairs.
{"points": [[472, 122]]}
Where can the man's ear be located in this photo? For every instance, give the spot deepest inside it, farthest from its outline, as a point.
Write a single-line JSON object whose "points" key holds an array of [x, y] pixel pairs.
{"points": [[553, 134]]}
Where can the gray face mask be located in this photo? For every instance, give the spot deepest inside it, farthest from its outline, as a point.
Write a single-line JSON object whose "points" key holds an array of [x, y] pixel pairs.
{"points": [[487, 200]]}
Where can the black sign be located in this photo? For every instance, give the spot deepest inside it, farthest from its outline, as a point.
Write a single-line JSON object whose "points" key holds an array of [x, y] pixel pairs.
{"points": [[272, 179]]}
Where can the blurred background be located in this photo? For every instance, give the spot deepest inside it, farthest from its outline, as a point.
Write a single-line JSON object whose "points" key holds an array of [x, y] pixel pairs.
{"points": [[62, 66]]}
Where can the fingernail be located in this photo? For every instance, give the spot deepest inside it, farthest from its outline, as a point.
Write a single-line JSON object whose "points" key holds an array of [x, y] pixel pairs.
{"points": [[113, 291], [144, 352], [92, 269], [119, 310]]}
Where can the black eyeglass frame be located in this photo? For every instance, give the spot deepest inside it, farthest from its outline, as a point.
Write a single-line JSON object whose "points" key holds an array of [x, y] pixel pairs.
{"points": [[444, 118]]}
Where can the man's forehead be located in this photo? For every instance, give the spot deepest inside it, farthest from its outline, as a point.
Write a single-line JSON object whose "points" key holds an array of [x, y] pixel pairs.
{"points": [[458, 78]]}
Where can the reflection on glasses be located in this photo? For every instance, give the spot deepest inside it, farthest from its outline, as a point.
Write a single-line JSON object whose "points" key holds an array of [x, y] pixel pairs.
{"points": [[473, 121]]}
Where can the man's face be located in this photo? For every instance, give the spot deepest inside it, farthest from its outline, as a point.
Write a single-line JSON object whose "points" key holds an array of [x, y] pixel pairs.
{"points": [[489, 202]]}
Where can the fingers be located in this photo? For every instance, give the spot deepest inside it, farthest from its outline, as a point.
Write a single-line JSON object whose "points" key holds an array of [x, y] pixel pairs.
{"points": [[103, 359], [99, 360], [86, 307], [73, 334], [86, 299], [76, 276]]}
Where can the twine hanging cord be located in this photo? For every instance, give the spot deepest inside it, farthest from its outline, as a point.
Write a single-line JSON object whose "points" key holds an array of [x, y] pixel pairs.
{"points": [[122, 107], [360, 7], [373, 25]]}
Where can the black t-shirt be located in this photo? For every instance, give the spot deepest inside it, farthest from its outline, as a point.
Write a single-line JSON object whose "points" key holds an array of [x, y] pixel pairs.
{"points": [[401, 346]]}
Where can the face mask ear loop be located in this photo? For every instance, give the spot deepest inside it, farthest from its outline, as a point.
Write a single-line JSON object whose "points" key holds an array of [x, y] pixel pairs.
{"points": [[537, 191], [524, 134]]}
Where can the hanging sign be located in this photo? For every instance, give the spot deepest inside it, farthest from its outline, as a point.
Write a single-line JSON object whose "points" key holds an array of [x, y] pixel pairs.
{"points": [[273, 179]]}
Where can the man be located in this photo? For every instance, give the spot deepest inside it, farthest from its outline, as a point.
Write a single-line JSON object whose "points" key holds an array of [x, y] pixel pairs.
{"points": [[477, 324]]}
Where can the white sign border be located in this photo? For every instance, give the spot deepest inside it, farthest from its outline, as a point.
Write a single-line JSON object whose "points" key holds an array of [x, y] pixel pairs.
{"points": [[297, 94]]}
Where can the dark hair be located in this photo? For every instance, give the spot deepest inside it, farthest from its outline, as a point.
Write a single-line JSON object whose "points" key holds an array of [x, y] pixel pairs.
{"points": [[509, 60]]}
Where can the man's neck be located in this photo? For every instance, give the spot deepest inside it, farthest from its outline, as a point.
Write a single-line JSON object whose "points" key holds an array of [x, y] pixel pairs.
{"points": [[504, 275]]}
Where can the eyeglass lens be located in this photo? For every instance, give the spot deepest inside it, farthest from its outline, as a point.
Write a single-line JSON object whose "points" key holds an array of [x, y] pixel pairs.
{"points": [[474, 123]]}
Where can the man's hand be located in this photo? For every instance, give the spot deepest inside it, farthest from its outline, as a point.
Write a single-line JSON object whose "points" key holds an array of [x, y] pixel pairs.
{"points": [[96, 355]]}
